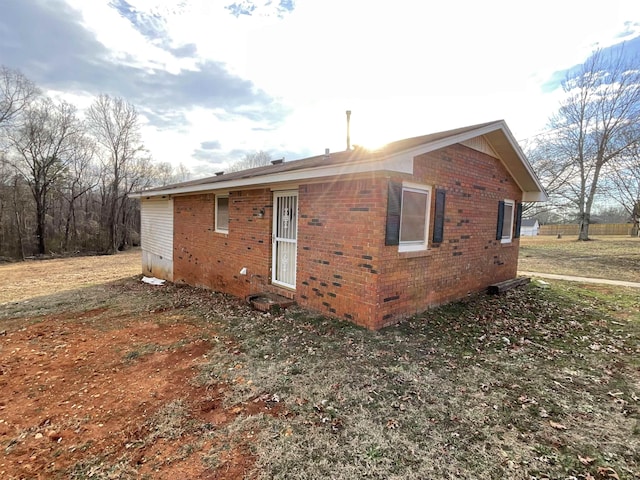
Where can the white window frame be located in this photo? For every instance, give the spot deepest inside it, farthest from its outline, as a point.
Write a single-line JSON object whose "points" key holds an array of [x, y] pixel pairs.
{"points": [[416, 246], [219, 229], [511, 220]]}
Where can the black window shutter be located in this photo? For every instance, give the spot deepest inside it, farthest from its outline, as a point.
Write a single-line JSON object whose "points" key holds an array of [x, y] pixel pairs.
{"points": [[500, 220], [394, 205], [518, 221], [438, 224]]}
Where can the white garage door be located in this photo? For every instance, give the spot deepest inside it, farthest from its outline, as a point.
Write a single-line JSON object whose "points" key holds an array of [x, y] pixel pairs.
{"points": [[156, 236]]}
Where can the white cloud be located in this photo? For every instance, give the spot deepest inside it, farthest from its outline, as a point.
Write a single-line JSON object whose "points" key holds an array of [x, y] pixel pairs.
{"points": [[127, 45], [404, 68]]}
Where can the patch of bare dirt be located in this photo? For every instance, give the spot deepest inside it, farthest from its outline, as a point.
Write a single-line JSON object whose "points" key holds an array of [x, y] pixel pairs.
{"points": [[97, 394]]}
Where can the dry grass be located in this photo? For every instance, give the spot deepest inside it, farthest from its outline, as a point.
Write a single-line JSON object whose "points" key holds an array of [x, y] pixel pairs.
{"points": [[610, 257], [26, 280], [517, 386]]}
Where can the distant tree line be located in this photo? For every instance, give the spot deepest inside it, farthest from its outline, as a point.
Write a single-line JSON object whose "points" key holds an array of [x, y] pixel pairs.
{"points": [[591, 149], [65, 176]]}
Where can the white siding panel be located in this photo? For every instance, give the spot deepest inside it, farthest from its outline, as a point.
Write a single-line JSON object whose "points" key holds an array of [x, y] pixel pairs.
{"points": [[481, 145], [157, 227]]}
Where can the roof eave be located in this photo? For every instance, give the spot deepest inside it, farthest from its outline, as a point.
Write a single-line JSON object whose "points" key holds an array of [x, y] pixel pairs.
{"points": [[497, 134], [391, 164], [534, 196], [512, 158]]}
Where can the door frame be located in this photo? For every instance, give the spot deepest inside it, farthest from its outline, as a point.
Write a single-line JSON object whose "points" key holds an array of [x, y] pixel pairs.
{"points": [[275, 239]]}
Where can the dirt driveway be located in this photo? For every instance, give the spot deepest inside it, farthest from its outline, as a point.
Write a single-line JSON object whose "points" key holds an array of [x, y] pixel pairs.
{"points": [[96, 383]]}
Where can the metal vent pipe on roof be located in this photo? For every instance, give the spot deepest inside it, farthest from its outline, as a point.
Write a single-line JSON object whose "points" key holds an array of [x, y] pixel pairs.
{"points": [[348, 131]]}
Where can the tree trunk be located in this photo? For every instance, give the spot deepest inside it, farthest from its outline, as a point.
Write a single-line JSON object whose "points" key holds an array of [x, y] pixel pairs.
{"points": [[67, 226], [17, 215], [2, 231], [113, 227], [114, 212], [125, 240], [584, 227], [40, 225]]}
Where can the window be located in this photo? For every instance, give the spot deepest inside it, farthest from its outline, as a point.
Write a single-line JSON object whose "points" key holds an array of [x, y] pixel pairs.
{"points": [[413, 217], [408, 216], [506, 210], [222, 213]]}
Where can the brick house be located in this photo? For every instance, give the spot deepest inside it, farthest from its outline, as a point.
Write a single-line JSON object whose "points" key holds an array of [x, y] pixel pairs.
{"points": [[367, 236]]}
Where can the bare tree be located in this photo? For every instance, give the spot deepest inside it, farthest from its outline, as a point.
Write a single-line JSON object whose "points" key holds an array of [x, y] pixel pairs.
{"points": [[553, 173], [251, 160], [163, 173], [43, 145], [81, 178], [116, 128], [16, 92], [181, 173], [624, 185], [595, 125]]}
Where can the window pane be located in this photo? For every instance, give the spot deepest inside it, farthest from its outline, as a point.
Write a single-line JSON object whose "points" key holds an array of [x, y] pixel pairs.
{"points": [[507, 225], [413, 217], [222, 213]]}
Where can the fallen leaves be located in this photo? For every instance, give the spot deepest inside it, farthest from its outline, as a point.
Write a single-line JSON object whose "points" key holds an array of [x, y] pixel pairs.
{"points": [[557, 426], [586, 460], [608, 472]]}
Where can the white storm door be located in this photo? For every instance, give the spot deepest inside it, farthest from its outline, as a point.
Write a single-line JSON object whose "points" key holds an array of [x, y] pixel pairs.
{"points": [[285, 238]]}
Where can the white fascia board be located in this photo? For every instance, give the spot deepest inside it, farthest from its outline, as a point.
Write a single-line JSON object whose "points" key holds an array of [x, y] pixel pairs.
{"points": [[542, 195], [393, 164], [534, 196]]}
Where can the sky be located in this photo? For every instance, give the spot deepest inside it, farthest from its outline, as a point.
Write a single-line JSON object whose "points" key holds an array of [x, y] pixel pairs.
{"points": [[214, 80]]}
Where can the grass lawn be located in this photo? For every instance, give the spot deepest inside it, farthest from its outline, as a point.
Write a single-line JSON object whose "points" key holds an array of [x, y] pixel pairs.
{"points": [[610, 257], [541, 382]]}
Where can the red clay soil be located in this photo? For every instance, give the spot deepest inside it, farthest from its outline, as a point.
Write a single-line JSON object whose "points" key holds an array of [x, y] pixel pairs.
{"points": [[86, 389]]}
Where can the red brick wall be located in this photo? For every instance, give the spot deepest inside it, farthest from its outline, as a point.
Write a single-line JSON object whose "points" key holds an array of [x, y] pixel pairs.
{"points": [[469, 258], [203, 257], [339, 233]]}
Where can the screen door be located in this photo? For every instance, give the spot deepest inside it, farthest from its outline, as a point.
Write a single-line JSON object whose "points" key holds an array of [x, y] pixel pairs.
{"points": [[285, 233]]}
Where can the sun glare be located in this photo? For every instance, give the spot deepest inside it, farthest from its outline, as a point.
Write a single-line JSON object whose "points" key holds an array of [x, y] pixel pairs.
{"points": [[370, 138]]}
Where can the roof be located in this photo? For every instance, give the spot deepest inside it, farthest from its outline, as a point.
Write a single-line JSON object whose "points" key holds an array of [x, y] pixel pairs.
{"points": [[529, 222], [395, 157]]}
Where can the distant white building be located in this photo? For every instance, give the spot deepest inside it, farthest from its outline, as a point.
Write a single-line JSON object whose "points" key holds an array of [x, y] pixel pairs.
{"points": [[530, 227]]}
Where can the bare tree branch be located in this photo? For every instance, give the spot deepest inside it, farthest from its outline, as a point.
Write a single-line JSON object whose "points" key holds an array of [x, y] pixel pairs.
{"points": [[16, 92]]}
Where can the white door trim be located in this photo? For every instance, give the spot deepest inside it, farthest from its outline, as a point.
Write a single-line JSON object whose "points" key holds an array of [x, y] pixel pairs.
{"points": [[284, 238]]}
